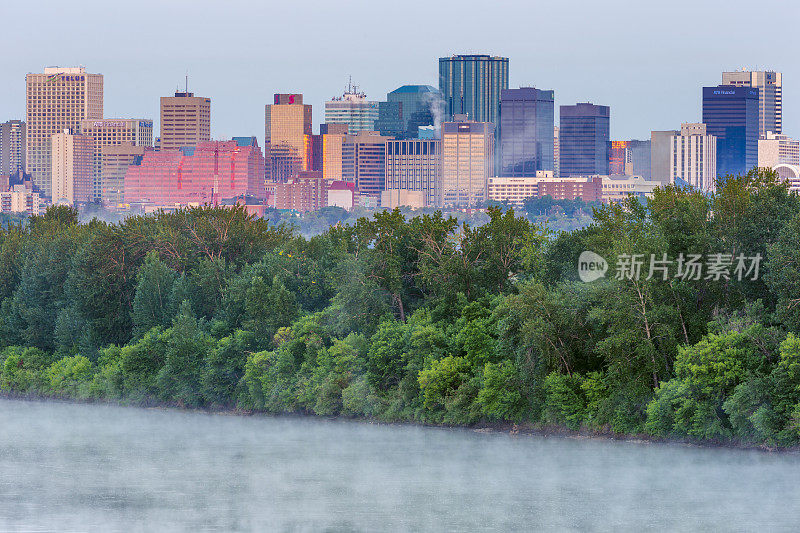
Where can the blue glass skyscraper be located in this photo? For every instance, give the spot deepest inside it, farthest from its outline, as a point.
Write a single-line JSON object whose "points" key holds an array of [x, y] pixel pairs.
{"points": [[390, 119], [471, 85], [526, 121], [583, 139], [417, 99], [731, 114]]}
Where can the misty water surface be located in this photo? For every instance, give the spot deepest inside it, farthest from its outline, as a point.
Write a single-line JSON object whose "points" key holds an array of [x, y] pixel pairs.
{"points": [[67, 467]]}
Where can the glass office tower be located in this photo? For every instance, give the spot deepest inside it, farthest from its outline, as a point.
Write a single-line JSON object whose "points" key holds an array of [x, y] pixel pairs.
{"points": [[390, 119], [471, 85], [731, 115], [583, 139], [770, 96], [526, 121], [416, 99]]}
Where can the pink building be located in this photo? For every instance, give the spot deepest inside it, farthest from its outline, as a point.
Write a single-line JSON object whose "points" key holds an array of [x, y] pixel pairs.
{"points": [[207, 174]]}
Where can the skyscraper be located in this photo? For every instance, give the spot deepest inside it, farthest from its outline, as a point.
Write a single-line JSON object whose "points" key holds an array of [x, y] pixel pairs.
{"points": [[583, 139], [617, 157], [471, 85], [467, 161], [56, 100], [287, 136], [110, 132], [639, 158], [415, 165], [556, 153], [353, 109], [12, 147], [71, 168], [770, 96], [364, 162], [526, 122], [390, 119], [693, 157], [333, 137], [416, 98], [630, 158], [660, 153], [731, 115], [185, 120]]}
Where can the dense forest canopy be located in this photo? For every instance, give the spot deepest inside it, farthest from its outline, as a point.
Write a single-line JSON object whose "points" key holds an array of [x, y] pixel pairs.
{"points": [[424, 318]]}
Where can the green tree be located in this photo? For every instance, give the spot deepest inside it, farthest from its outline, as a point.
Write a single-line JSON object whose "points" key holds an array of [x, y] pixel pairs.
{"points": [[151, 304], [186, 346]]}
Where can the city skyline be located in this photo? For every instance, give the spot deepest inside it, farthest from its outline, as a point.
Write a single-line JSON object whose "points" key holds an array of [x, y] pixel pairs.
{"points": [[240, 74]]}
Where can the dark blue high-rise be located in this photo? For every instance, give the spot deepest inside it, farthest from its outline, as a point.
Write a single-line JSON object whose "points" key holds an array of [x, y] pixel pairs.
{"points": [[526, 142], [583, 139], [731, 114]]}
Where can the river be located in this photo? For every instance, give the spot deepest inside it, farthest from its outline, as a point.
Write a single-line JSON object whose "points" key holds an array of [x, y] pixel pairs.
{"points": [[72, 467]]}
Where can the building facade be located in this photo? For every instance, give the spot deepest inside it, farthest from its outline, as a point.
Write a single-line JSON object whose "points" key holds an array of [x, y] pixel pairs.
{"points": [[57, 99], [731, 115], [307, 191], [364, 162], [770, 96], [588, 190], [415, 165], [616, 189], [693, 157], [660, 153], [111, 132], [526, 131], [629, 158], [71, 168], [638, 155], [775, 149], [390, 119], [353, 109], [185, 120], [115, 160], [207, 174], [288, 146], [21, 198], [556, 152], [333, 137], [471, 85], [583, 139], [790, 174], [12, 147], [417, 99], [467, 162], [618, 157], [515, 190]]}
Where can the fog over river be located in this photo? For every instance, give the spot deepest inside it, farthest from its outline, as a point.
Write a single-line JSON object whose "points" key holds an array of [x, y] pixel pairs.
{"points": [[68, 467]]}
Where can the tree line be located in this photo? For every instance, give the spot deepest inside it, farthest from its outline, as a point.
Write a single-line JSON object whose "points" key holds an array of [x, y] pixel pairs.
{"points": [[424, 318]]}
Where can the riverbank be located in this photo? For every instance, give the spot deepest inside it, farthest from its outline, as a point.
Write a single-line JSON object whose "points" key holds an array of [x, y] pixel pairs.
{"points": [[521, 429]]}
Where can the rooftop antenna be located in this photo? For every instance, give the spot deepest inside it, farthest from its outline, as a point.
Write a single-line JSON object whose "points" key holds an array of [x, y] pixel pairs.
{"points": [[187, 81]]}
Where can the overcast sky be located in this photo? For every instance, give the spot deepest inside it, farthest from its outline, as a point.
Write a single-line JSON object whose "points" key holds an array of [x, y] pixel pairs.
{"points": [[647, 60]]}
